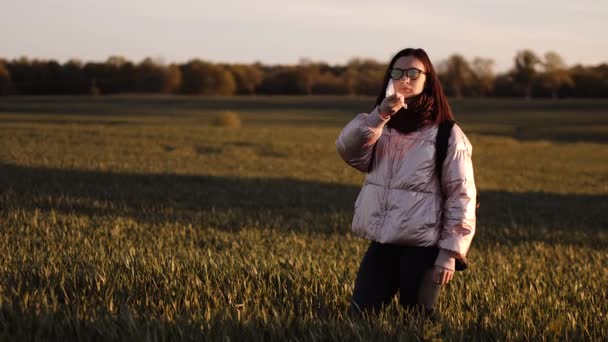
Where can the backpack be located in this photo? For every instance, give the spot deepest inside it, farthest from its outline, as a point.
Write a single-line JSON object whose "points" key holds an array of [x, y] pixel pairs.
{"points": [[441, 150]]}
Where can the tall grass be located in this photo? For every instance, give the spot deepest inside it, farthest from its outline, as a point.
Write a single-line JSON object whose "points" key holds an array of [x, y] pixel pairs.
{"points": [[135, 218]]}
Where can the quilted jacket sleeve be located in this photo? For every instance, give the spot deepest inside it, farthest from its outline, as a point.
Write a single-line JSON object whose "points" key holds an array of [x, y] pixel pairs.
{"points": [[356, 142], [458, 185]]}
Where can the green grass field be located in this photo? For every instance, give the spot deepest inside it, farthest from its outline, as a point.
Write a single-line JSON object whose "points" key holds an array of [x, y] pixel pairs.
{"points": [[134, 218]]}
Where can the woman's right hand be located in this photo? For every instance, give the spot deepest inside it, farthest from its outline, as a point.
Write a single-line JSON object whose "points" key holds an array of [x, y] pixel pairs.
{"points": [[390, 105]]}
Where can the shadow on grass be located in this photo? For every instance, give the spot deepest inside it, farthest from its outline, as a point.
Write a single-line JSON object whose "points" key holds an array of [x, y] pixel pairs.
{"points": [[232, 204]]}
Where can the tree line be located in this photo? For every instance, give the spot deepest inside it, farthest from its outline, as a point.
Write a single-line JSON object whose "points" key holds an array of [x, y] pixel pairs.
{"points": [[530, 76]]}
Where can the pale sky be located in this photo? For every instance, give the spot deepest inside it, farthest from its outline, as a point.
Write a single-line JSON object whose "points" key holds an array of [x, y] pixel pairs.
{"points": [[283, 32]]}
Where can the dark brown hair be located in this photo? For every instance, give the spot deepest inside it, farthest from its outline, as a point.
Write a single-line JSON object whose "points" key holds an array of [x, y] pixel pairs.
{"points": [[439, 106]]}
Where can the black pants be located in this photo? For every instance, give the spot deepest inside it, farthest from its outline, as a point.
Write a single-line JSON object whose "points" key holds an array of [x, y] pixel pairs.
{"points": [[387, 268]]}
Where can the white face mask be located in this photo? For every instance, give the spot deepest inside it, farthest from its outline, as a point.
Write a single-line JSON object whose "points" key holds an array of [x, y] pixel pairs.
{"points": [[390, 88]]}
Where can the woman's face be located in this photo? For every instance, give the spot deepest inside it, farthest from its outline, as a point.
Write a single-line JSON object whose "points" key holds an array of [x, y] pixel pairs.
{"points": [[405, 86]]}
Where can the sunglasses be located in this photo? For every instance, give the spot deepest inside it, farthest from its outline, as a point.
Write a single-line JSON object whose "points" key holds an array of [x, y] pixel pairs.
{"points": [[412, 73]]}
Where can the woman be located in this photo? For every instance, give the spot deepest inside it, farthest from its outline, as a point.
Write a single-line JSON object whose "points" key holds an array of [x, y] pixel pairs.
{"points": [[418, 225]]}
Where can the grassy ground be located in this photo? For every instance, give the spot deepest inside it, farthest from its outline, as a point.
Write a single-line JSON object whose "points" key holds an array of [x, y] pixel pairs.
{"points": [[134, 218]]}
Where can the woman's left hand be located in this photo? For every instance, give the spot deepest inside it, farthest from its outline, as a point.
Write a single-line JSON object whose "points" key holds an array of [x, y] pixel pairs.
{"points": [[442, 276]]}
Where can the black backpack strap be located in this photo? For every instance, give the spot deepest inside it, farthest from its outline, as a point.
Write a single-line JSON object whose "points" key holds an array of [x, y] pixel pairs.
{"points": [[441, 145]]}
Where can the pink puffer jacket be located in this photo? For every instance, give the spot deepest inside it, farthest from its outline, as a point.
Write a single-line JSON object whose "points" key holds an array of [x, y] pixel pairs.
{"points": [[401, 200]]}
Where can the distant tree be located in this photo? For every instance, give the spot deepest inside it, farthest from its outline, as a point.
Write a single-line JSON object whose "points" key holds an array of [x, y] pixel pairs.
{"points": [[530, 75], [20, 71], [457, 74], [504, 86], [556, 74], [327, 83], [330, 80], [154, 77], [126, 77], [34, 77], [246, 77], [307, 74], [602, 71], [364, 76], [525, 71], [173, 80], [74, 80], [93, 88], [121, 77], [289, 80], [117, 61], [116, 75], [588, 81], [98, 76], [5, 80], [149, 76], [199, 77], [52, 82], [483, 75]]}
